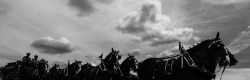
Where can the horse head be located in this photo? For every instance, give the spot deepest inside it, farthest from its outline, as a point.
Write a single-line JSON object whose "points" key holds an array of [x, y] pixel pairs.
{"points": [[113, 55], [133, 62], [220, 53], [130, 63], [112, 59], [214, 53], [75, 66]]}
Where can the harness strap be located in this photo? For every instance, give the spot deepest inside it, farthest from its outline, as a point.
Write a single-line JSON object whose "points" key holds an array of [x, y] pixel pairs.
{"points": [[182, 65], [119, 69], [190, 61], [166, 67], [181, 49], [102, 63], [171, 66], [222, 72], [98, 69], [91, 71], [218, 70]]}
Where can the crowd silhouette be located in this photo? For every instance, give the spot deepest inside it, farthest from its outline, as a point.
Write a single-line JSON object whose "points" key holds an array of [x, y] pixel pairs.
{"points": [[197, 63]]}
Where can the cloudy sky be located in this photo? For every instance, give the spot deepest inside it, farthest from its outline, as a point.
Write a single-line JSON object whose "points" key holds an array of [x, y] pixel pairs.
{"points": [[61, 30]]}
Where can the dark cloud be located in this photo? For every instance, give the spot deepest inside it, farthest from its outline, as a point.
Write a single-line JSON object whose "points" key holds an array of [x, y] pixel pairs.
{"points": [[105, 1], [48, 45], [150, 25], [85, 7], [4, 7]]}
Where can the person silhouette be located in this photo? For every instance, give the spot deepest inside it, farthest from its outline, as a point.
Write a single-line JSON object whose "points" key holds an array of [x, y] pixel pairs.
{"points": [[34, 60], [26, 59]]}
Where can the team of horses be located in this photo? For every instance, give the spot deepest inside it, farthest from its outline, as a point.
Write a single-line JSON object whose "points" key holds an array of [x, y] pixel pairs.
{"points": [[200, 62]]}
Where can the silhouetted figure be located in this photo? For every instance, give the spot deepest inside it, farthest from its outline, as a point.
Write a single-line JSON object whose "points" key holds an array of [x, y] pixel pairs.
{"points": [[34, 60], [26, 60]]}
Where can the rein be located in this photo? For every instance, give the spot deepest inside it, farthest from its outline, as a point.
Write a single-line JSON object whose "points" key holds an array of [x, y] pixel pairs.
{"points": [[185, 56], [191, 63]]}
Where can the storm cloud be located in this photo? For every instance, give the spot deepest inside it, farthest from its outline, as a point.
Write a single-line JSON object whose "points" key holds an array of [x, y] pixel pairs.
{"points": [[150, 25], [49, 45]]}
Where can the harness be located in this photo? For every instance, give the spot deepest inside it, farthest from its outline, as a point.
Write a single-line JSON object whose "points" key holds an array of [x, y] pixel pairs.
{"points": [[169, 67], [192, 64]]}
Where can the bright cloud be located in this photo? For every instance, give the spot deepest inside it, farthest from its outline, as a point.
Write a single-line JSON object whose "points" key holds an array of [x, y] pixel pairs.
{"points": [[134, 52], [240, 43], [49, 45], [149, 24]]}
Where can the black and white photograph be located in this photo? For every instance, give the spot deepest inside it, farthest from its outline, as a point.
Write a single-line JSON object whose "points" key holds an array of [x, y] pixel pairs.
{"points": [[124, 39]]}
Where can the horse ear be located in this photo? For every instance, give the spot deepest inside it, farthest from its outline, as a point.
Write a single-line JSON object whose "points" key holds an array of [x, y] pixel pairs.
{"points": [[129, 55], [217, 35], [112, 49]]}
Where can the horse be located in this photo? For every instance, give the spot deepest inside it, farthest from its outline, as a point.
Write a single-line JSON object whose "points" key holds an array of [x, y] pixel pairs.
{"points": [[196, 63], [10, 71], [83, 73], [73, 69], [130, 63], [28, 71], [55, 73], [108, 69], [42, 69]]}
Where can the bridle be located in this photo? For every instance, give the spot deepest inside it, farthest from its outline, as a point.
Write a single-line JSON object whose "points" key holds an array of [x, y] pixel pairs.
{"points": [[135, 62], [219, 57], [202, 69]]}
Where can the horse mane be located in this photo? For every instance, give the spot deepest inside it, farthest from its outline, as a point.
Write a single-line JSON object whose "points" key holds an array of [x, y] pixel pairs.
{"points": [[199, 45], [108, 56], [125, 61]]}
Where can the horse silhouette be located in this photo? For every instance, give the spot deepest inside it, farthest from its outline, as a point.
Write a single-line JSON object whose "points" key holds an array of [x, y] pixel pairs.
{"points": [[108, 68], [28, 71], [196, 63], [55, 73], [85, 72], [73, 69], [128, 65], [42, 70]]}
